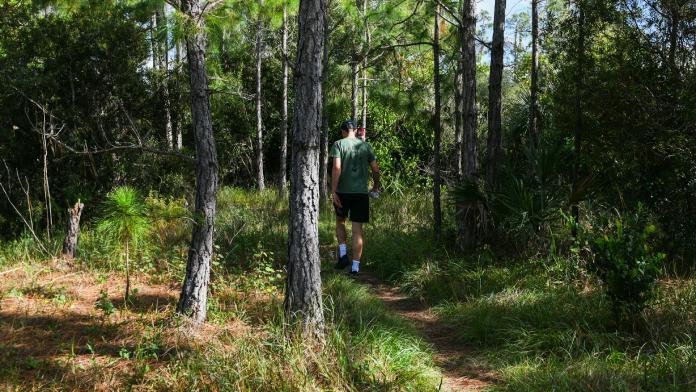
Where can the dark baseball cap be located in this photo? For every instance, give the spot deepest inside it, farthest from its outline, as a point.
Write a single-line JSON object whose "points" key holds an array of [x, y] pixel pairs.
{"points": [[347, 125]]}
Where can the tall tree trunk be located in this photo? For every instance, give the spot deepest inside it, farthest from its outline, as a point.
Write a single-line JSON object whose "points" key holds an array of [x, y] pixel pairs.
{"points": [[674, 19], [354, 91], [366, 49], [458, 120], [154, 42], [259, 119], [437, 209], [72, 231], [194, 293], [163, 42], [534, 87], [303, 290], [495, 96], [470, 215], [579, 81], [324, 154], [180, 58], [284, 106]]}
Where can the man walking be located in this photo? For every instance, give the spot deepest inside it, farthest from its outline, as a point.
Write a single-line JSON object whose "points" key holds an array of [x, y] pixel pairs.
{"points": [[351, 159]]}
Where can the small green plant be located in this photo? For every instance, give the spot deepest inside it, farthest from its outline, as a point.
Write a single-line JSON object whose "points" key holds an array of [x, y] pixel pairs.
{"points": [[626, 261], [125, 221], [104, 303]]}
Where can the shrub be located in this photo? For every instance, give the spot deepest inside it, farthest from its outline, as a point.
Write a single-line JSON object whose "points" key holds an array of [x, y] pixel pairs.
{"points": [[626, 261]]}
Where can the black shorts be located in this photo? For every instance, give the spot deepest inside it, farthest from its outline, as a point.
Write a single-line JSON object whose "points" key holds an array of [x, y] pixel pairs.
{"points": [[355, 205]]}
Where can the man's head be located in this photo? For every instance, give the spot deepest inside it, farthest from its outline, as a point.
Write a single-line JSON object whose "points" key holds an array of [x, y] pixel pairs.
{"points": [[347, 128]]}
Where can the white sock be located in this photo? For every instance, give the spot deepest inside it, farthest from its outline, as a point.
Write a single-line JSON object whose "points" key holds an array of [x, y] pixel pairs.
{"points": [[356, 266], [342, 250]]}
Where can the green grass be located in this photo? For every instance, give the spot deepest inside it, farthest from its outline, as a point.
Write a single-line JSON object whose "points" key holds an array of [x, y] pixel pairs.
{"points": [[246, 345], [537, 324]]}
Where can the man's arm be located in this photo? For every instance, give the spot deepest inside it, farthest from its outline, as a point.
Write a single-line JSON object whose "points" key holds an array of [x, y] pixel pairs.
{"points": [[335, 175], [376, 175]]}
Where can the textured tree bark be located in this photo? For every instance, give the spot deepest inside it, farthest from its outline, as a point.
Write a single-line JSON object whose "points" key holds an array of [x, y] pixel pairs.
{"points": [[495, 95], [72, 231], [194, 293], [469, 215], [259, 118], [303, 301], [534, 87], [437, 208], [324, 154], [284, 107]]}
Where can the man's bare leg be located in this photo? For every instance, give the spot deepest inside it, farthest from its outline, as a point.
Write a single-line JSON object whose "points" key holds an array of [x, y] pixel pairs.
{"points": [[357, 235], [342, 248], [341, 230]]}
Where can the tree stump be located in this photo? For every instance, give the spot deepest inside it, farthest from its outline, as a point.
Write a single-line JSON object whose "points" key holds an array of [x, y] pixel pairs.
{"points": [[72, 232]]}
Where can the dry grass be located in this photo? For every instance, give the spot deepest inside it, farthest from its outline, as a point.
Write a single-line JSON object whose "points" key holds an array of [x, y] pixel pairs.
{"points": [[54, 337]]}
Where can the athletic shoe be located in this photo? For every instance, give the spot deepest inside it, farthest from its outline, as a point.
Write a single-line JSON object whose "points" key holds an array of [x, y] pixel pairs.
{"points": [[353, 273], [342, 263]]}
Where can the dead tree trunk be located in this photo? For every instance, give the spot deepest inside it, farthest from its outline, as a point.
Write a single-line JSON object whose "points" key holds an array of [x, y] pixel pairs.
{"points": [[495, 96], [72, 231], [303, 301], [437, 208], [284, 107], [534, 87], [194, 293], [259, 118]]}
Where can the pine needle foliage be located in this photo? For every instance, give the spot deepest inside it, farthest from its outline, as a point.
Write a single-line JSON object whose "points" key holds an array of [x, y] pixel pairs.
{"points": [[124, 220]]}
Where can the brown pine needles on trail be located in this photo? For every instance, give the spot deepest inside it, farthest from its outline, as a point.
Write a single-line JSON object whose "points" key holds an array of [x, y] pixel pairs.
{"points": [[455, 360]]}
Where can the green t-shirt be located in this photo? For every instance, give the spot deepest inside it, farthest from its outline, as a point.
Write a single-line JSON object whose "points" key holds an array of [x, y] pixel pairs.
{"points": [[356, 156]]}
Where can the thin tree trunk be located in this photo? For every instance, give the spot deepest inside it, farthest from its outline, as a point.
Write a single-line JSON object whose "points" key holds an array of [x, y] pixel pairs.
{"points": [[673, 34], [127, 295], [354, 91], [364, 82], [154, 44], [194, 293], [324, 154], [259, 118], [534, 87], [72, 231], [163, 43], [458, 119], [46, 185], [470, 215], [303, 290], [180, 58], [437, 208], [579, 81], [495, 96], [284, 107]]}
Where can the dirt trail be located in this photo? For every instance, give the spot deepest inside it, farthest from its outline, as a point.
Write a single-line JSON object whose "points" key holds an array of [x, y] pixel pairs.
{"points": [[459, 369]]}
